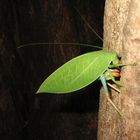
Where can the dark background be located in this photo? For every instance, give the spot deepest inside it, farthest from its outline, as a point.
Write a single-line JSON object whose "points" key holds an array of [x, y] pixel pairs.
{"points": [[24, 115]]}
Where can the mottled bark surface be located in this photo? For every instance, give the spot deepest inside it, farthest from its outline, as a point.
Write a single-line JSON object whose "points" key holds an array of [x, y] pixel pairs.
{"points": [[23, 115], [122, 34]]}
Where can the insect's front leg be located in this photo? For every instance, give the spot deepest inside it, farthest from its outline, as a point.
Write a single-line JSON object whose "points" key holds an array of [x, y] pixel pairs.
{"points": [[112, 74], [118, 65]]}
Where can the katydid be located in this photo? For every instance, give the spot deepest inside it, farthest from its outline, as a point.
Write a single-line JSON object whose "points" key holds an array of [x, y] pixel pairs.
{"points": [[81, 71]]}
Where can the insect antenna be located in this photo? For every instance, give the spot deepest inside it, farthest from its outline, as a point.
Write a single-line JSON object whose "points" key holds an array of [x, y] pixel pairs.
{"points": [[68, 43], [88, 25]]}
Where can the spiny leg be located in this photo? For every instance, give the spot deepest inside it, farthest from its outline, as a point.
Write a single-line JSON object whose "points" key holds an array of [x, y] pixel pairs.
{"points": [[110, 85]]}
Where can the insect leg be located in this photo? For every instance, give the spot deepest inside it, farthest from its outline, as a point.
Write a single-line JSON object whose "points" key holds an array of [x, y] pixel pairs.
{"points": [[103, 81]]}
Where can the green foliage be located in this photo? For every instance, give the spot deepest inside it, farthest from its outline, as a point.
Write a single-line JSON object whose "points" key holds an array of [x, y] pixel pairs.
{"points": [[78, 72]]}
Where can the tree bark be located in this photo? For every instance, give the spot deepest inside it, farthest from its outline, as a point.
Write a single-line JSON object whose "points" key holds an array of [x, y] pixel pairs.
{"points": [[122, 35]]}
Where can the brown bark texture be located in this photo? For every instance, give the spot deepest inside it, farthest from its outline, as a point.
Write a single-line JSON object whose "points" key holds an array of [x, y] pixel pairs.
{"points": [[24, 115], [122, 35]]}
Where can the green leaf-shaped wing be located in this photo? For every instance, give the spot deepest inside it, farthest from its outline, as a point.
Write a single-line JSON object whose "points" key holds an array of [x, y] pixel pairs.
{"points": [[78, 72]]}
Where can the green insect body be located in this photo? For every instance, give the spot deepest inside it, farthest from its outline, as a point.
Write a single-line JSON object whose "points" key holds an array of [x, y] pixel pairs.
{"points": [[78, 72], [83, 70]]}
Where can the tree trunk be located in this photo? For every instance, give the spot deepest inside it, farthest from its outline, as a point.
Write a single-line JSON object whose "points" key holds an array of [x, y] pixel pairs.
{"points": [[122, 35]]}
